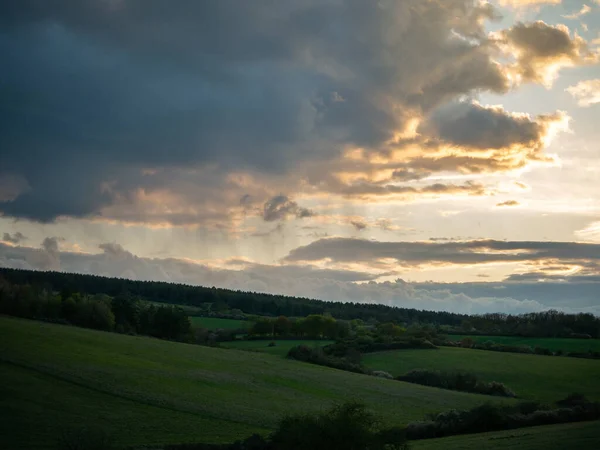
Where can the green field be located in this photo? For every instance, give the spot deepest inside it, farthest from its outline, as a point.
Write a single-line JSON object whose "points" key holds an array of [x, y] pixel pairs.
{"points": [[149, 391], [554, 344], [281, 347], [545, 378], [213, 323], [576, 436]]}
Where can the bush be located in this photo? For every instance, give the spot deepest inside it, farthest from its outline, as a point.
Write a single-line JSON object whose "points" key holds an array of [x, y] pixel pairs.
{"points": [[489, 417], [349, 426], [317, 356], [382, 374], [456, 381]]}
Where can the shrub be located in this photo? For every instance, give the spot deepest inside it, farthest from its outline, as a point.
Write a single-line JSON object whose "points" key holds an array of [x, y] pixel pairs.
{"points": [[456, 381], [317, 356], [574, 399], [382, 374], [490, 417], [349, 426]]}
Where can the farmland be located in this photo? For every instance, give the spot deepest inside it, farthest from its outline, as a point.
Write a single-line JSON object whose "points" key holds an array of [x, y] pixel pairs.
{"points": [[554, 344], [148, 391], [580, 436], [544, 378]]}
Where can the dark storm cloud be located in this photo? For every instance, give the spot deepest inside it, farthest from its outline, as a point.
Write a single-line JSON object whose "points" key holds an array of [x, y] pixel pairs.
{"points": [[474, 125], [93, 92], [14, 238], [469, 252], [508, 203], [280, 207]]}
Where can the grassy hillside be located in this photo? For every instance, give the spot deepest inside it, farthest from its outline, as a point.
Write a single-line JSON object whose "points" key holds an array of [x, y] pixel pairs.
{"points": [[554, 344], [145, 390], [281, 347], [546, 378], [580, 436], [214, 323]]}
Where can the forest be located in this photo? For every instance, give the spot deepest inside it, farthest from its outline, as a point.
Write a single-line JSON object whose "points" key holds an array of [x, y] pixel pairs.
{"points": [[216, 300]]}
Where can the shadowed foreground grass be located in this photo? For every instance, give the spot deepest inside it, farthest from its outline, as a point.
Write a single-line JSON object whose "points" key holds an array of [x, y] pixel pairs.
{"points": [[147, 391]]}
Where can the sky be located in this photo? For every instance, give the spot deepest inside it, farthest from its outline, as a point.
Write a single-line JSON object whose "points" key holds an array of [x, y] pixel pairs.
{"points": [[429, 154]]}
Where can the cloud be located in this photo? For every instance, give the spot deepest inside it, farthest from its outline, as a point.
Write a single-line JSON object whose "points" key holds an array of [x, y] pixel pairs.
{"points": [[14, 238], [12, 186], [167, 119], [471, 125], [413, 254], [296, 280], [163, 112], [585, 9], [587, 93], [540, 51], [280, 207], [590, 232], [509, 203], [528, 3], [358, 224]]}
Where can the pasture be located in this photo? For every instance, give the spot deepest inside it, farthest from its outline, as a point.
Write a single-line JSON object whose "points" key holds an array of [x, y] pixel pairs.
{"points": [[535, 377], [147, 391], [580, 436], [554, 344]]}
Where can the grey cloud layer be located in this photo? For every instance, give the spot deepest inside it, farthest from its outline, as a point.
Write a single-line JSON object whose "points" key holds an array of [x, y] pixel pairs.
{"points": [[96, 92], [467, 252], [295, 280]]}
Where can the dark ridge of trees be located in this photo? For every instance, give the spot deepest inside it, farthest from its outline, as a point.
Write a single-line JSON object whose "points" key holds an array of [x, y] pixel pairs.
{"points": [[543, 324], [122, 313], [224, 299]]}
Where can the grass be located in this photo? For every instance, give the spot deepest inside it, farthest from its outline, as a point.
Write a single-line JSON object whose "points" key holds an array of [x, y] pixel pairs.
{"points": [[580, 436], [147, 391], [544, 378], [281, 347], [214, 323], [554, 344]]}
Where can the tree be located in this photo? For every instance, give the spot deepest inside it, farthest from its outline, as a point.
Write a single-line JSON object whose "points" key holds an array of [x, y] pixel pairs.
{"points": [[349, 426], [283, 326]]}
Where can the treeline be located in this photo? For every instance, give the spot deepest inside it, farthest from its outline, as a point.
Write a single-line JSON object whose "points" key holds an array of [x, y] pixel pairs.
{"points": [[456, 381], [550, 323], [122, 313], [214, 300], [315, 326], [496, 417], [492, 346]]}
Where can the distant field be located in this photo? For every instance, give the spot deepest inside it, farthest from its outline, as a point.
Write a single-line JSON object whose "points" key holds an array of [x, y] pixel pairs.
{"points": [[554, 344], [147, 391], [545, 378], [281, 347], [213, 323], [576, 436]]}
